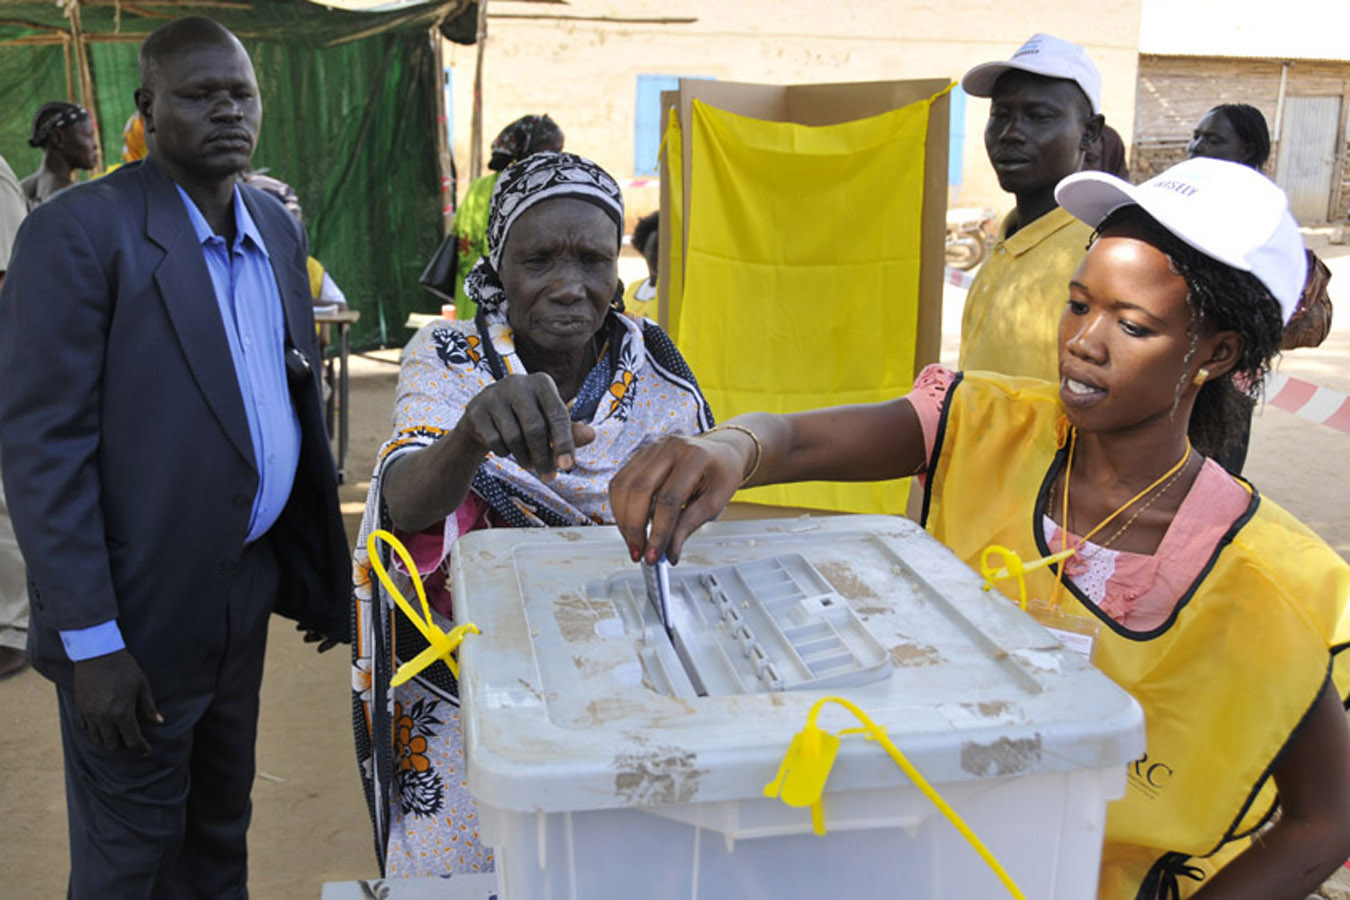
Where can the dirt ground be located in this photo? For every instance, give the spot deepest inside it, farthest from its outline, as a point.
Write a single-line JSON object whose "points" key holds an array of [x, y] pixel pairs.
{"points": [[310, 824]]}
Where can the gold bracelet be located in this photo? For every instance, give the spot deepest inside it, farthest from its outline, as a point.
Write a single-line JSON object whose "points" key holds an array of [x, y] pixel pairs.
{"points": [[759, 448]]}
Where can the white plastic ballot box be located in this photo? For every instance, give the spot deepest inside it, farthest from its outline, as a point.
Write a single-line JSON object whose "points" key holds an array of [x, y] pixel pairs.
{"points": [[616, 756]]}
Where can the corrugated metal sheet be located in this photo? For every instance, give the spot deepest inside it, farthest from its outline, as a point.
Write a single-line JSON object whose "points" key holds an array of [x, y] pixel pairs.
{"points": [[1291, 29]]}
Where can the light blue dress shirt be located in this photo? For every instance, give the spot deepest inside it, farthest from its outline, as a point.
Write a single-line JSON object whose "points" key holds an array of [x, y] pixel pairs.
{"points": [[255, 326]]}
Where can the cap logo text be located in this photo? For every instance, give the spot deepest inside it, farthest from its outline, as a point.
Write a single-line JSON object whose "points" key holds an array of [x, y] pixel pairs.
{"points": [[1184, 188]]}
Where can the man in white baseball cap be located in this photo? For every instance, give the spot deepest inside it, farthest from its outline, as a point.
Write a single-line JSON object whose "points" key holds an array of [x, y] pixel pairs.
{"points": [[1044, 113]]}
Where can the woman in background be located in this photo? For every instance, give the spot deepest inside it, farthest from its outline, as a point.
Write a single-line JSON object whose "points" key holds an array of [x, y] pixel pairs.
{"points": [[64, 132], [1238, 132]]}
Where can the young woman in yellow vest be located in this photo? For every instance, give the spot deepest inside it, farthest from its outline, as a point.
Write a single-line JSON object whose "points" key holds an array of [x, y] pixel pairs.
{"points": [[1216, 609]]}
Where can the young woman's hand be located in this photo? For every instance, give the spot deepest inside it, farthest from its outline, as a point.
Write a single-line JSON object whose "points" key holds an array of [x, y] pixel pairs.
{"points": [[673, 486]]}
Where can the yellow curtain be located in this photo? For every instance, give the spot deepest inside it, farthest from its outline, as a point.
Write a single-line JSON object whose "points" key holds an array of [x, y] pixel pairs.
{"points": [[802, 273], [672, 215]]}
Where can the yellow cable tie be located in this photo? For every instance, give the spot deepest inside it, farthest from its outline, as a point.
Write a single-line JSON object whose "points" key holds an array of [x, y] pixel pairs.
{"points": [[440, 644], [806, 767], [1013, 567]]}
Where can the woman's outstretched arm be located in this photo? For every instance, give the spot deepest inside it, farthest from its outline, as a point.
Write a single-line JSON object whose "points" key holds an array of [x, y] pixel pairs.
{"points": [[670, 488], [1311, 837]]}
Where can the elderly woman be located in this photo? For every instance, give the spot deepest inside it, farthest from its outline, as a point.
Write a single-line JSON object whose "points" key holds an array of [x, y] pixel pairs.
{"points": [[64, 132], [518, 418]]}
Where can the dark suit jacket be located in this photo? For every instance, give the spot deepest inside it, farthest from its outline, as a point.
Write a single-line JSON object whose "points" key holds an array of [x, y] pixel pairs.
{"points": [[125, 446]]}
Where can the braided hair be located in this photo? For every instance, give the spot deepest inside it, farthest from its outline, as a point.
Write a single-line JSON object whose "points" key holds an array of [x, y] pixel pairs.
{"points": [[52, 117], [1250, 127], [1220, 298], [645, 228]]}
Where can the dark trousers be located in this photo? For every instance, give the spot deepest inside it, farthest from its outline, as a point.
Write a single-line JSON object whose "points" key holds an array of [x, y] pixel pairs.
{"points": [[173, 825]]}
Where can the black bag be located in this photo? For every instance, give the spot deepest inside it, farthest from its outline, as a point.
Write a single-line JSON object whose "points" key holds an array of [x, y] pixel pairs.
{"points": [[439, 275]]}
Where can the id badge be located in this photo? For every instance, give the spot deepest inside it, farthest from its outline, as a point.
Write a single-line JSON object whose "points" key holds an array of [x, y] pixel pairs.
{"points": [[1075, 632]]}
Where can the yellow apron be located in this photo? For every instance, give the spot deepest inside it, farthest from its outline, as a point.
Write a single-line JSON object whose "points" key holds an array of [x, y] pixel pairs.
{"points": [[631, 303], [1224, 681]]}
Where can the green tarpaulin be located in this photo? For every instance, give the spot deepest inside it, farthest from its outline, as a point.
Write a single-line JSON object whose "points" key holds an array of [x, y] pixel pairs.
{"points": [[351, 106]]}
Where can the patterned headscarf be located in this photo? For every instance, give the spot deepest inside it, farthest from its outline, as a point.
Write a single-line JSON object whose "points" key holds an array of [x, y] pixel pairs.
{"points": [[278, 189], [52, 117], [521, 138], [543, 176]]}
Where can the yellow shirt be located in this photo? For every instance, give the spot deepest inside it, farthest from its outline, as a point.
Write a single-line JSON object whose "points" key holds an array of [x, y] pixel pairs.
{"points": [[1011, 320], [639, 298]]}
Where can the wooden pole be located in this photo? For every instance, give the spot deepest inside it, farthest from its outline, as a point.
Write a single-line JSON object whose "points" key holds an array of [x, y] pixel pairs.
{"points": [[476, 130], [88, 97], [444, 151], [65, 54]]}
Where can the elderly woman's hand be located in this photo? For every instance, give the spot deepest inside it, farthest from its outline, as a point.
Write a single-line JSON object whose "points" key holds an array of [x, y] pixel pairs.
{"points": [[520, 416], [676, 485], [523, 416]]}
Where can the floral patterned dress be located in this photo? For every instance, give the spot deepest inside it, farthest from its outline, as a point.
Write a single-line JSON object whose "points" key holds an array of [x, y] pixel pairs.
{"points": [[415, 778]]}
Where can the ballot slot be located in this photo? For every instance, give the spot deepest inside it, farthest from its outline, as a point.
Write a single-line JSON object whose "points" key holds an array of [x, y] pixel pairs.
{"points": [[772, 624]]}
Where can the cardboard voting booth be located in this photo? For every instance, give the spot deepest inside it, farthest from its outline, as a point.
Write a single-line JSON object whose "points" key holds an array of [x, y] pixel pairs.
{"points": [[801, 247]]}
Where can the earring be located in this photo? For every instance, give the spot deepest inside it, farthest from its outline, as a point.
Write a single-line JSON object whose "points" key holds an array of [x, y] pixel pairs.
{"points": [[1201, 376]]}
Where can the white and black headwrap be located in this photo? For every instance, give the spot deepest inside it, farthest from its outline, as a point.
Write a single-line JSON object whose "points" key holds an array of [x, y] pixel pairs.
{"points": [[52, 117], [539, 177]]}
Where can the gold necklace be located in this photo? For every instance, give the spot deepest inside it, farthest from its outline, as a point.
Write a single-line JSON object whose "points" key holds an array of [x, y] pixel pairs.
{"points": [[1130, 521], [1169, 477]]}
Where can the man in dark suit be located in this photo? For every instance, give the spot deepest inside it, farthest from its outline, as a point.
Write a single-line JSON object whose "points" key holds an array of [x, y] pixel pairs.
{"points": [[168, 474]]}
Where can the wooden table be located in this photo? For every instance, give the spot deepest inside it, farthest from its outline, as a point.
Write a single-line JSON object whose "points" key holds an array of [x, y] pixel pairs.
{"points": [[342, 320]]}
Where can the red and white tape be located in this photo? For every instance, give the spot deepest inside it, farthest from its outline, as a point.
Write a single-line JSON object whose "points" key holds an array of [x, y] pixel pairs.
{"points": [[1309, 401], [958, 278]]}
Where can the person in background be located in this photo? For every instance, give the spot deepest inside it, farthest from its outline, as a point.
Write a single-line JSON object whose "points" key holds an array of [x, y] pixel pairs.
{"points": [[526, 135], [1233, 131], [133, 143], [1238, 132], [517, 418], [324, 292], [1044, 114], [168, 474], [133, 138], [639, 298], [1221, 613], [13, 581], [64, 132], [1107, 154]]}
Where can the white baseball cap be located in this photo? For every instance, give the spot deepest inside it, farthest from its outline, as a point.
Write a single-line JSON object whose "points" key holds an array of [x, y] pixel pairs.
{"points": [[1226, 210], [1042, 54]]}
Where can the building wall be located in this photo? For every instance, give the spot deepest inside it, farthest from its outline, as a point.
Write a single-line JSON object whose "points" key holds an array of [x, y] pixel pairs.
{"points": [[1175, 92], [584, 73]]}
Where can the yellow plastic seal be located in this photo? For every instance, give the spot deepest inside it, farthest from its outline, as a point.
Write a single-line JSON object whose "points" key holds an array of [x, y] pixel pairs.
{"points": [[441, 645], [806, 767], [1013, 567]]}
